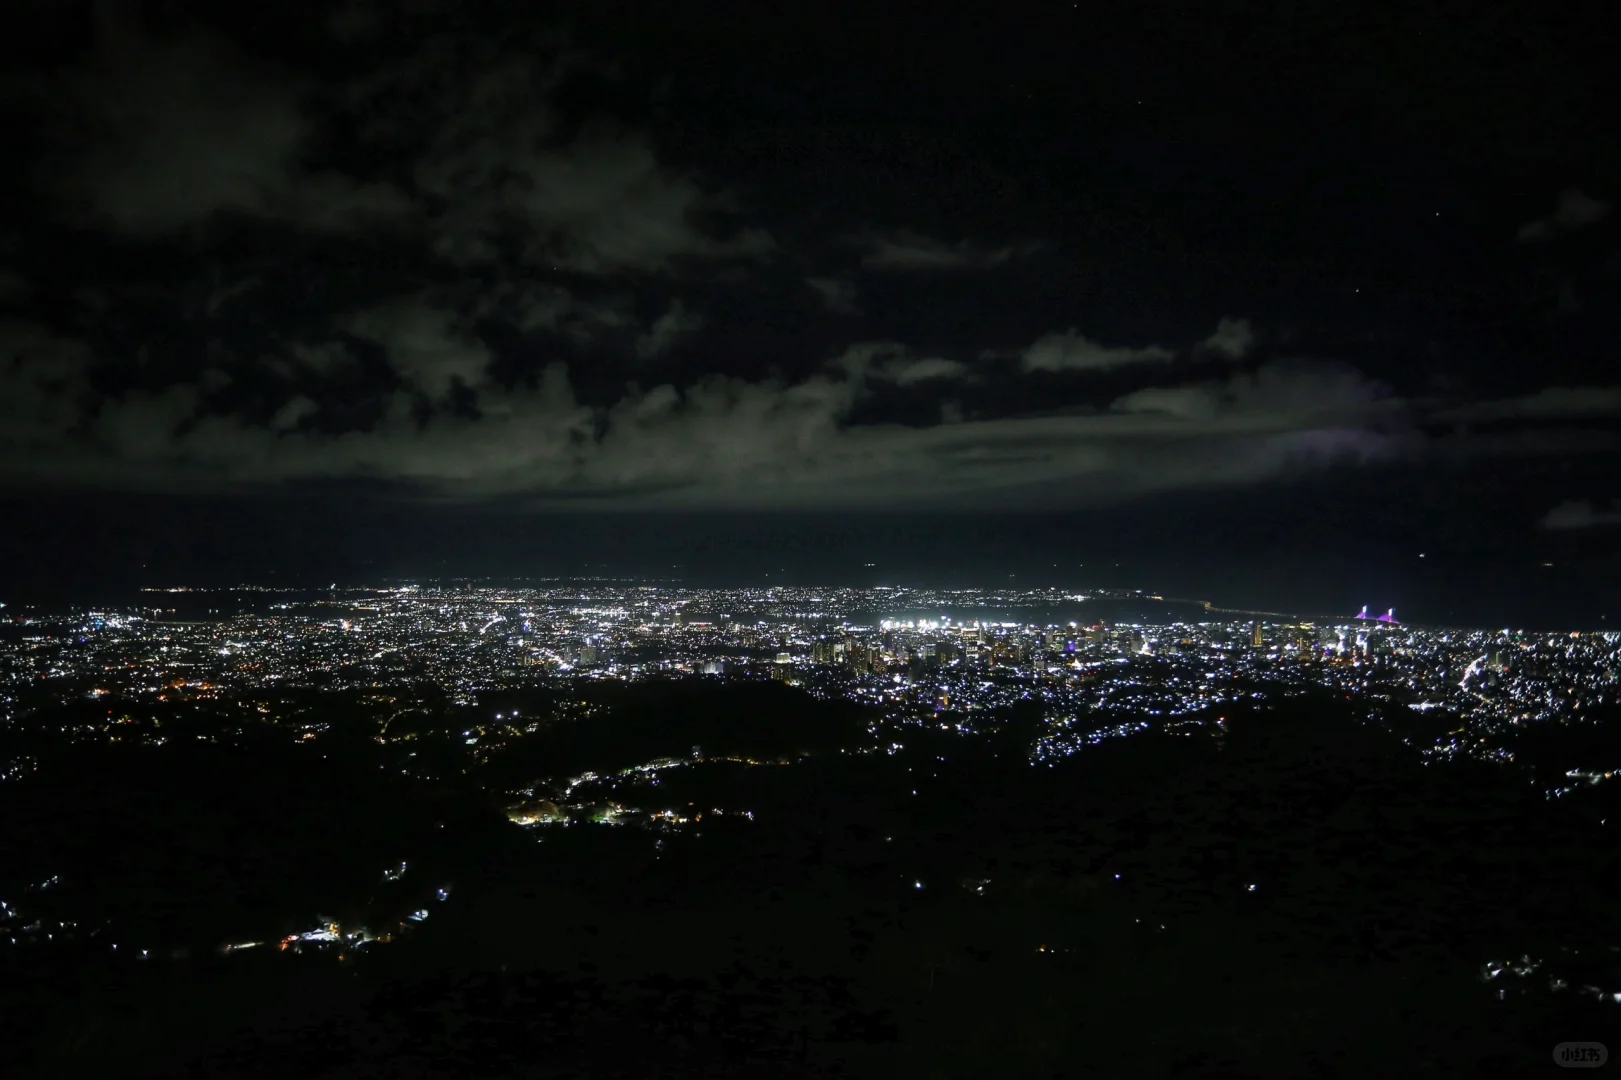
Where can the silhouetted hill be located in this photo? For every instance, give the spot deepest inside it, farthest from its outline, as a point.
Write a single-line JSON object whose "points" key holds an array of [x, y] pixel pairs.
{"points": [[1296, 895]]}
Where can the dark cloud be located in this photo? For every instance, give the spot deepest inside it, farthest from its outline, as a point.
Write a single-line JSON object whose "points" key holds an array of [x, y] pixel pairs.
{"points": [[222, 294], [913, 251], [1574, 210], [1551, 402], [14, 288], [534, 307], [429, 349], [502, 170], [1580, 514], [166, 135], [355, 21], [669, 327], [890, 361], [925, 369], [837, 294], [44, 388], [1234, 339], [161, 136], [1069, 350], [1286, 394]]}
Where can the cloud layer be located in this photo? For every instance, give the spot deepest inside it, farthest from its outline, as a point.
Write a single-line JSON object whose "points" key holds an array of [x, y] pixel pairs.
{"points": [[1580, 514], [1069, 350], [433, 267], [901, 251], [713, 441], [159, 137], [1574, 210]]}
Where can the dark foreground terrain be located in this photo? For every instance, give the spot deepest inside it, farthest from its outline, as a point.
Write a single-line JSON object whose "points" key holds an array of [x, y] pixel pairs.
{"points": [[1288, 893]]}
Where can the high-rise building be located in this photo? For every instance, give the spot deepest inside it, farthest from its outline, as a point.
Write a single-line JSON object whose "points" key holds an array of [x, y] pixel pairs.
{"points": [[1255, 634]]}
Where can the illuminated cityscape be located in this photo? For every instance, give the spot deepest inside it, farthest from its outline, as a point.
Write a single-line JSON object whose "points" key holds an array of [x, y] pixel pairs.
{"points": [[913, 655], [916, 661]]}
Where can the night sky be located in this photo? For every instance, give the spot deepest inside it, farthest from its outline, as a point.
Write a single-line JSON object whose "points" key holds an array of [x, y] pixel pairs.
{"points": [[1262, 300]]}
